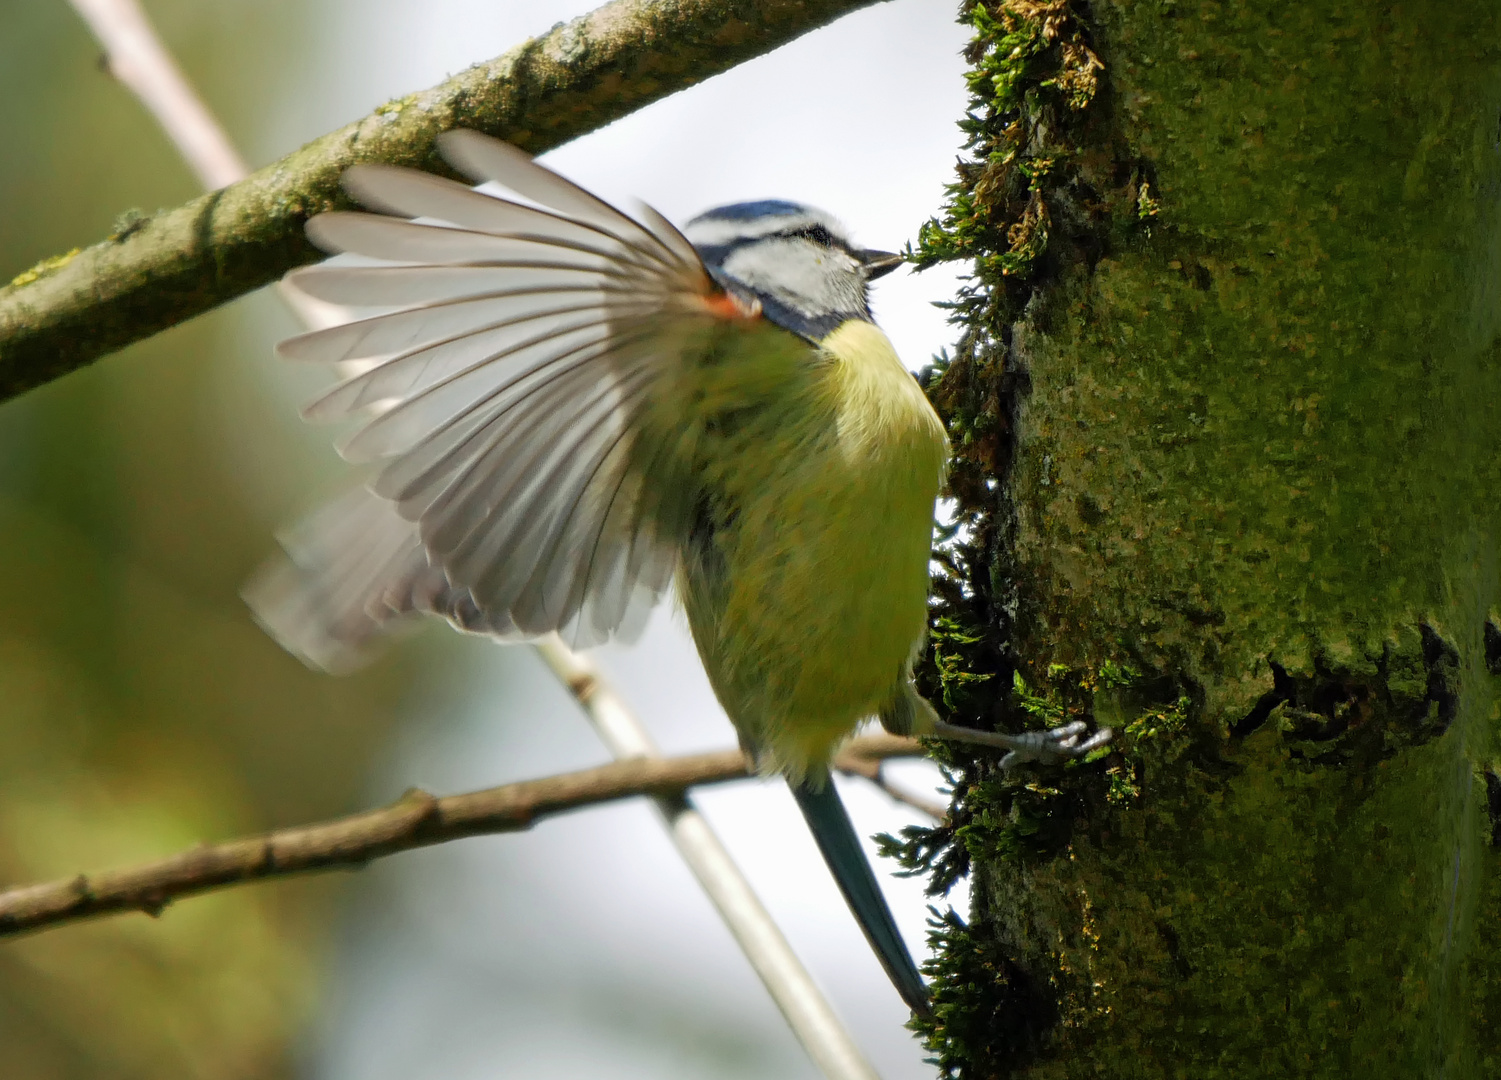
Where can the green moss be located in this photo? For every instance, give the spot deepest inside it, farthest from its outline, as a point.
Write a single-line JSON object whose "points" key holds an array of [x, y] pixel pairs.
{"points": [[1032, 71], [1227, 454]]}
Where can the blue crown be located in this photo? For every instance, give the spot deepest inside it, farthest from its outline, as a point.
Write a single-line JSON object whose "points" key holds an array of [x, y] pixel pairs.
{"points": [[749, 211]]}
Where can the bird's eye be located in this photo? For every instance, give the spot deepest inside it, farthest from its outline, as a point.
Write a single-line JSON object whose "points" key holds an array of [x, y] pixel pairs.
{"points": [[817, 233]]}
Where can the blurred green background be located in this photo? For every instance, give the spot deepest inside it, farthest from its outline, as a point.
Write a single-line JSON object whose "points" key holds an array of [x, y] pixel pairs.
{"points": [[140, 708]]}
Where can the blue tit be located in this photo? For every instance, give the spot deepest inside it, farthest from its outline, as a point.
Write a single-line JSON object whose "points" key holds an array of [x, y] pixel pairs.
{"points": [[572, 409]]}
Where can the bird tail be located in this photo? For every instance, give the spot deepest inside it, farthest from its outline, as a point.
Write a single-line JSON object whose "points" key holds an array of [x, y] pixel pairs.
{"points": [[835, 833]]}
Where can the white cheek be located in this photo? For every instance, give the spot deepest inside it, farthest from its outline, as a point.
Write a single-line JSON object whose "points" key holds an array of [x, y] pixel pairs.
{"points": [[806, 277]]}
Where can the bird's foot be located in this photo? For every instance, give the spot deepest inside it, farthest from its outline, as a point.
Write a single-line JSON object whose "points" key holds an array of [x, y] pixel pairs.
{"points": [[1047, 746]]}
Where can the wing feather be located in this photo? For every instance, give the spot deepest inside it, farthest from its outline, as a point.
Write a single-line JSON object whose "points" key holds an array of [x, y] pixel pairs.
{"points": [[400, 241], [416, 370], [488, 496], [451, 399], [418, 476], [498, 551], [384, 286], [516, 494], [324, 599], [669, 237], [490, 160], [411, 194], [382, 336], [586, 548]]}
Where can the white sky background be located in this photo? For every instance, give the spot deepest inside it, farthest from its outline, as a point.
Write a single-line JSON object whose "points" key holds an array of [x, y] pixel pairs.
{"points": [[584, 948]]}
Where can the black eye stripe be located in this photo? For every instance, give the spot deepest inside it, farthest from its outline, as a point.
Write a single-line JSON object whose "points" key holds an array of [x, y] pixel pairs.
{"points": [[817, 233]]}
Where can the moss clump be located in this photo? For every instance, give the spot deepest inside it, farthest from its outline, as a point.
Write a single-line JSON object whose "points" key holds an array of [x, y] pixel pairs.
{"points": [[988, 1009], [1033, 77], [1042, 189], [993, 1011]]}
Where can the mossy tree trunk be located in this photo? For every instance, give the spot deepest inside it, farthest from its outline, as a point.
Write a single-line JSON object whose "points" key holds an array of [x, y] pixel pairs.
{"points": [[1228, 416]]}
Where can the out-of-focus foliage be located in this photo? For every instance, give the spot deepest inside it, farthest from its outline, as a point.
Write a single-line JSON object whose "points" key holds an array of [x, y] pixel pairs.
{"points": [[142, 710]]}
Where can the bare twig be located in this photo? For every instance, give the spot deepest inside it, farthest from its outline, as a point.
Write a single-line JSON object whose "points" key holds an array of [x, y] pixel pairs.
{"points": [[72, 309], [416, 820], [802, 1003], [135, 56], [871, 769]]}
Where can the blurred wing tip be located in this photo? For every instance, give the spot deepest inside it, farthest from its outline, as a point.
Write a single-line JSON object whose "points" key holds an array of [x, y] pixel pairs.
{"points": [[362, 171], [281, 604], [296, 279], [380, 187], [309, 347]]}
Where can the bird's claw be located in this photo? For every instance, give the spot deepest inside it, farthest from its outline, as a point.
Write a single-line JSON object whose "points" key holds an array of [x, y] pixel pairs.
{"points": [[1046, 746], [1049, 746]]}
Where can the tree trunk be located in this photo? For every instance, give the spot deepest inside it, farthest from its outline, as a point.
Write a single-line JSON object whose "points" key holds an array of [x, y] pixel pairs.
{"points": [[1226, 412]]}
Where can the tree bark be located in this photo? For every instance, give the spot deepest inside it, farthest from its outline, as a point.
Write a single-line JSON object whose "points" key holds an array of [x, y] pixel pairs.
{"points": [[1230, 449]]}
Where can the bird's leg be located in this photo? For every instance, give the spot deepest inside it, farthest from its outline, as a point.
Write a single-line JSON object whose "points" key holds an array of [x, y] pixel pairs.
{"points": [[1048, 746]]}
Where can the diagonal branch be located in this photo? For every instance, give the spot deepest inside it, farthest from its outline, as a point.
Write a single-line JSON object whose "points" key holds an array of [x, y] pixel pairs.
{"points": [[807, 1011], [72, 309], [413, 821], [136, 57], [871, 769]]}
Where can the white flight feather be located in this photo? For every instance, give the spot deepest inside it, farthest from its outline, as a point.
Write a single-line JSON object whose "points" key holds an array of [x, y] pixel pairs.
{"points": [[527, 342], [397, 240], [413, 372], [381, 286]]}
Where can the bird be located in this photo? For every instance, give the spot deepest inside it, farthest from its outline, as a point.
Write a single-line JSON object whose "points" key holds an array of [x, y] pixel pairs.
{"points": [[569, 410]]}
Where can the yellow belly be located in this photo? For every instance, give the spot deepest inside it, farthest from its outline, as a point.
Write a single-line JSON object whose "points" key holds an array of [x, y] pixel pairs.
{"points": [[824, 592]]}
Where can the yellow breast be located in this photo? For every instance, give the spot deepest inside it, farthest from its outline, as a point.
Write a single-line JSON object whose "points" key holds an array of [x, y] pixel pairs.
{"points": [[827, 559]]}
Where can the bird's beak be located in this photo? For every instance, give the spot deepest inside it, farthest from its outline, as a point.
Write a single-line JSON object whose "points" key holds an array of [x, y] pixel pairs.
{"points": [[877, 263]]}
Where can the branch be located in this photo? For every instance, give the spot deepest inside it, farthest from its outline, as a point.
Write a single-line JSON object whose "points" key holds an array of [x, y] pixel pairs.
{"points": [[413, 821], [870, 768], [162, 270], [136, 57]]}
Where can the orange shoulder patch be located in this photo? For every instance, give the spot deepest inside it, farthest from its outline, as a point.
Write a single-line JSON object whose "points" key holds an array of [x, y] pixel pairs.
{"points": [[724, 305]]}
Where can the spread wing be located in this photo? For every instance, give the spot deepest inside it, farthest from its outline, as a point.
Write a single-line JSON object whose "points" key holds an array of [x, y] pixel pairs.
{"points": [[514, 493]]}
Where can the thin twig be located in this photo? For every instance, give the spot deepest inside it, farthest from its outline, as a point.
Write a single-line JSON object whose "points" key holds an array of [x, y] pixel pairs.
{"points": [[413, 821], [162, 270], [135, 56], [872, 770], [802, 1003], [933, 809]]}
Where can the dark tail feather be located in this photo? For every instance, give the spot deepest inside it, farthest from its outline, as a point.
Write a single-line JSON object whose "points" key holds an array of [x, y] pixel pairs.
{"points": [[835, 833]]}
